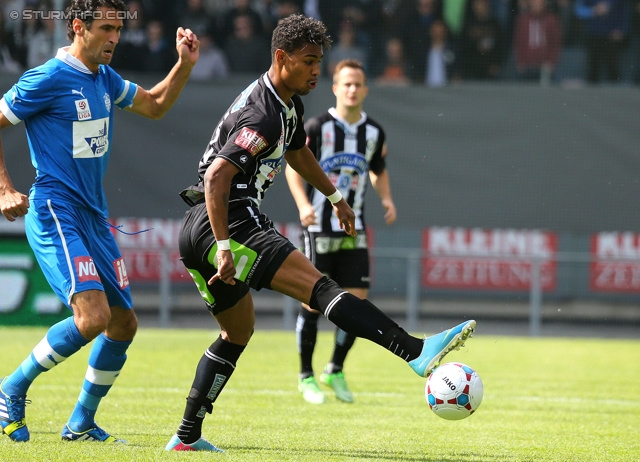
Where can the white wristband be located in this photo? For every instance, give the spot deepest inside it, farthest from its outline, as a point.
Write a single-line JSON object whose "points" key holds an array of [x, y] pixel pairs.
{"points": [[224, 244], [335, 197]]}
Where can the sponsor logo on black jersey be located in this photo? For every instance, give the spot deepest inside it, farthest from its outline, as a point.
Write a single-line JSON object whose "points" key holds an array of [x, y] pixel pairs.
{"points": [[251, 140]]}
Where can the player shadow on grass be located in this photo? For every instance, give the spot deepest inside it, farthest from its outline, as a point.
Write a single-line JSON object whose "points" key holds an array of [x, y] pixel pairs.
{"points": [[324, 454]]}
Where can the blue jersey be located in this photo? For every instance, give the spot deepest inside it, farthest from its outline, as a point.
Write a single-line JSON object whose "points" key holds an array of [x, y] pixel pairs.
{"points": [[68, 116]]}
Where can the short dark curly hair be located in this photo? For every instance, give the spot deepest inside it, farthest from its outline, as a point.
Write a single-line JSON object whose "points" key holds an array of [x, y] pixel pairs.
{"points": [[296, 31], [84, 9]]}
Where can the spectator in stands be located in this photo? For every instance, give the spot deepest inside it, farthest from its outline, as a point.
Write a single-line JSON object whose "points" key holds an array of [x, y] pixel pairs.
{"points": [[165, 11], [395, 71], [505, 12], [416, 24], [8, 65], [441, 57], [212, 63], [453, 13], [197, 18], [571, 25], [331, 15], [32, 41], [366, 17], [482, 50], [635, 42], [537, 42], [247, 52], [606, 27], [271, 11], [12, 36], [133, 40], [227, 24], [391, 14], [345, 48], [284, 8], [158, 56], [21, 30], [41, 44], [266, 9], [311, 8]]}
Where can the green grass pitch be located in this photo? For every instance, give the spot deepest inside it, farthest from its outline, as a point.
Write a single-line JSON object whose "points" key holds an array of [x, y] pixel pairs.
{"points": [[545, 400]]}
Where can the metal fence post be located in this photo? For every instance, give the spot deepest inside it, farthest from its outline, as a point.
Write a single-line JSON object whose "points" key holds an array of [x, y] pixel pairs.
{"points": [[289, 313], [535, 298], [413, 291], [165, 288]]}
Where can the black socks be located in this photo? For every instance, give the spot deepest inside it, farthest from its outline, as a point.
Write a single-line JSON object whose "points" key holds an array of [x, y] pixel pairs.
{"points": [[363, 319], [213, 372]]}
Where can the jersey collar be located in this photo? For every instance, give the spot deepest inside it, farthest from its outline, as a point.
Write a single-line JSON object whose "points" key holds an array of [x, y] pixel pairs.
{"points": [[267, 82], [64, 56], [351, 127]]}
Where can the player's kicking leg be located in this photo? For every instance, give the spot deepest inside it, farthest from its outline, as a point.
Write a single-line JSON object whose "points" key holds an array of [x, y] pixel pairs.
{"points": [[361, 318]]}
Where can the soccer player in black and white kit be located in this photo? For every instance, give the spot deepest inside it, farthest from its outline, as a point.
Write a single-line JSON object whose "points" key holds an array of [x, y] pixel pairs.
{"points": [[229, 246], [350, 147]]}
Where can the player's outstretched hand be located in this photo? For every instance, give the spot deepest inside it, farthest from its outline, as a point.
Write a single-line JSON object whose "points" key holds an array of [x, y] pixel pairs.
{"points": [[188, 45]]}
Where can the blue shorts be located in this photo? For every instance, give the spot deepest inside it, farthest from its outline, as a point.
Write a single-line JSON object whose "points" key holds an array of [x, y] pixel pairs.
{"points": [[76, 251]]}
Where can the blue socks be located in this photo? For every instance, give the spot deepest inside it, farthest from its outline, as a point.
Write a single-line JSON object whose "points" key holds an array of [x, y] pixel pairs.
{"points": [[62, 340], [105, 363]]}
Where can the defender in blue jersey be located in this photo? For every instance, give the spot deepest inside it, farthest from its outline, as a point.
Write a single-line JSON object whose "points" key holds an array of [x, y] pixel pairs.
{"points": [[67, 106], [229, 246]]}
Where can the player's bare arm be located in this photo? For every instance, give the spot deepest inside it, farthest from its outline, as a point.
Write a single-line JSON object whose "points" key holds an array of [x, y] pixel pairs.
{"points": [[13, 204], [380, 183], [217, 187], [304, 162], [297, 187], [155, 103]]}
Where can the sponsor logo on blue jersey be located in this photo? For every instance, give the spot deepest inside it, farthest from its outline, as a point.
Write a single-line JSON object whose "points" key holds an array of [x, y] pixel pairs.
{"points": [[90, 138], [98, 144]]}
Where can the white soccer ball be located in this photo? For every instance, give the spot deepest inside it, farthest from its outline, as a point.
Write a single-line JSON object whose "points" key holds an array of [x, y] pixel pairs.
{"points": [[454, 391]]}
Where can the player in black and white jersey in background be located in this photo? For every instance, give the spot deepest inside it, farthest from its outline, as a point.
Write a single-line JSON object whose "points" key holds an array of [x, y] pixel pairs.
{"points": [[350, 147], [229, 246]]}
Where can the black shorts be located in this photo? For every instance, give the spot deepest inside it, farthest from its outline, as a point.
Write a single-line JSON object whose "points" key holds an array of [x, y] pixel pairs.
{"points": [[258, 251], [345, 259]]}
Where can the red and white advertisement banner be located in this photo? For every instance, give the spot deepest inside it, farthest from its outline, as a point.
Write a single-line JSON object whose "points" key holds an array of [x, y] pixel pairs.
{"points": [[143, 241], [493, 259], [615, 265]]}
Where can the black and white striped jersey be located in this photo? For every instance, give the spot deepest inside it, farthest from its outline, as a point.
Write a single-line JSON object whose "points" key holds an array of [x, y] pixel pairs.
{"points": [[253, 135], [346, 152]]}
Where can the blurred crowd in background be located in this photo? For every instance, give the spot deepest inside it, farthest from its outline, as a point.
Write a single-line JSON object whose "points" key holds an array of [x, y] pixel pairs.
{"points": [[400, 42]]}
